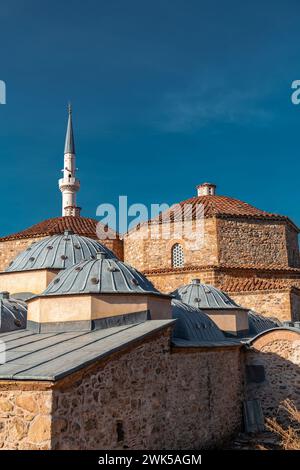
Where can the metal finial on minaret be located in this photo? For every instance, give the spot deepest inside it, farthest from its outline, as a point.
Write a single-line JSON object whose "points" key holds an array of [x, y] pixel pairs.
{"points": [[69, 185], [69, 143]]}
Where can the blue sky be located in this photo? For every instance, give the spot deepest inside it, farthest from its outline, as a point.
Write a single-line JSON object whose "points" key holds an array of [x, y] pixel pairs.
{"points": [[166, 94]]}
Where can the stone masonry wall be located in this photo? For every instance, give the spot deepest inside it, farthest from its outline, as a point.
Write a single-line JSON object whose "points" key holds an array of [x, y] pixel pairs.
{"points": [[248, 242], [25, 416], [145, 397], [168, 282], [151, 248], [233, 241], [293, 247], [115, 245], [11, 248], [150, 398], [279, 355], [269, 303], [295, 304]]}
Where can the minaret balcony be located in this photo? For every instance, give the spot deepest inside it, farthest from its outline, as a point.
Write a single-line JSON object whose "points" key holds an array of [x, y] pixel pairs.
{"points": [[70, 183]]}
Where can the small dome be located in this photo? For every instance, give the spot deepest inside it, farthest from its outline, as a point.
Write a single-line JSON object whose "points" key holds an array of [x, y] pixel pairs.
{"points": [[100, 275], [259, 323], [13, 313], [204, 296], [57, 252], [193, 325]]}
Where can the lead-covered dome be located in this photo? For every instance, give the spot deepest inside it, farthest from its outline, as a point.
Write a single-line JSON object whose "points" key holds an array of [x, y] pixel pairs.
{"points": [[58, 252], [100, 276], [204, 296], [193, 326], [259, 323], [13, 313]]}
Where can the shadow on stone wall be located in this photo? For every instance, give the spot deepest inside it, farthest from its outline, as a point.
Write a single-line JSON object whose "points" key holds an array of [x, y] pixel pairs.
{"points": [[273, 375]]}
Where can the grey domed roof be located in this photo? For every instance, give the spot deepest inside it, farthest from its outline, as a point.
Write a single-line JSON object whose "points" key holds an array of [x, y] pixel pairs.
{"points": [[57, 252], [100, 275], [259, 323], [13, 313], [193, 325], [204, 296]]}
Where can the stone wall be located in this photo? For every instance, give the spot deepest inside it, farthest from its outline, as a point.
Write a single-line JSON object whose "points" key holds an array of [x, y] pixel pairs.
{"points": [[278, 353], [292, 246], [11, 248], [269, 303], [150, 398], [25, 416], [251, 242], [116, 246], [151, 247], [168, 282], [295, 304], [239, 242]]}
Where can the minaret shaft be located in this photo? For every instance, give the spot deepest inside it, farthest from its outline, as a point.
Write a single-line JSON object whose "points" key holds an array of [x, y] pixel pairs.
{"points": [[69, 185]]}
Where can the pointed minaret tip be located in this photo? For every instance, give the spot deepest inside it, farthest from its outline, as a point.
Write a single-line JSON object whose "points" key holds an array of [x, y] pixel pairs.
{"points": [[69, 143], [69, 184]]}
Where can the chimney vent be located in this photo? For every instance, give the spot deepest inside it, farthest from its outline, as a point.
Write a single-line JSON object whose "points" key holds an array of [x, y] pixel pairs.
{"points": [[101, 255], [206, 189]]}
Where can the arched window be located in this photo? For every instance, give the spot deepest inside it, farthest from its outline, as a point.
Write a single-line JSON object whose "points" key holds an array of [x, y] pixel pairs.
{"points": [[177, 256]]}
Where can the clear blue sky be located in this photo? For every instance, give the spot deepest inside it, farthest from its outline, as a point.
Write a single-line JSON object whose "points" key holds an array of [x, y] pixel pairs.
{"points": [[166, 94]]}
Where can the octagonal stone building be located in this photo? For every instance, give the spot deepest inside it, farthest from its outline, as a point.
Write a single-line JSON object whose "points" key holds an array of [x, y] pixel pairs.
{"points": [[247, 252]]}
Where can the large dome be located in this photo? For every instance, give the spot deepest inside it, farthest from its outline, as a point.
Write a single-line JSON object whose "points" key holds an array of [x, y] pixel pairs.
{"points": [[204, 296], [214, 205], [193, 326], [57, 252], [100, 275], [13, 313]]}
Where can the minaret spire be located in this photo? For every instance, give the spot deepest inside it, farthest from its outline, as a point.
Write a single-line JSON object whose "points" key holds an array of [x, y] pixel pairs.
{"points": [[69, 143], [69, 185]]}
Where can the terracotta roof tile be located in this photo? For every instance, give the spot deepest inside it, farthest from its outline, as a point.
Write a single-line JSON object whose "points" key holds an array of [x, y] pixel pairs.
{"points": [[224, 205], [80, 225], [215, 206]]}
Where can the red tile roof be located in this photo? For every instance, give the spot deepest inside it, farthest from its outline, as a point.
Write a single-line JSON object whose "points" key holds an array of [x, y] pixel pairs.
{"points": [[224, 205], [80, 225], [215, 206]]}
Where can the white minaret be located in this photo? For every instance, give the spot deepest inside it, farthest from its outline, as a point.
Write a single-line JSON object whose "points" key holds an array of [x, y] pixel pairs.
{"points": [[69, 185]]}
